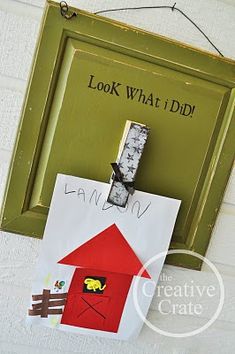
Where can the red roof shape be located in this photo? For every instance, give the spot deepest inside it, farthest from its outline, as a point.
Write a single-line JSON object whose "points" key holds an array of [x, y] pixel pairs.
{"points": [[107, 251]]}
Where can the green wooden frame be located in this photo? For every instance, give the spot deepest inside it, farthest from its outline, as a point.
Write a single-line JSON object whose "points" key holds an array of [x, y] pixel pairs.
{"points": [[118, 47]]}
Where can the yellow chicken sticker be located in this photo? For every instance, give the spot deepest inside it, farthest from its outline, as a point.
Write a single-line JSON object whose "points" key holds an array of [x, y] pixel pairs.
{"points": [[93, 284]]}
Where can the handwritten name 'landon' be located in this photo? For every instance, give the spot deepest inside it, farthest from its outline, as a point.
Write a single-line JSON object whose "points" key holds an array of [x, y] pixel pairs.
{"points": [[132, 93], [96, 198]]}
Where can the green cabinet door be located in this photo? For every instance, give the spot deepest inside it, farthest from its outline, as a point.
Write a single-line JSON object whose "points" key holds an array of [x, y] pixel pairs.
{"points": [[89, 76]]}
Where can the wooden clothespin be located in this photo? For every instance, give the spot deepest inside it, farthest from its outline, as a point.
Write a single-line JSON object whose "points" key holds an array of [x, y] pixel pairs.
{"points": [[130, 151]]}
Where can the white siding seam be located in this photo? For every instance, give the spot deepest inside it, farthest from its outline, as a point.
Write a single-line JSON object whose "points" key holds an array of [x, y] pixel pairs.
{"points": [[32, 348], [156, 314], [12, 83], [5, 155], [227, 208], [40, 6], [21, 9], [224, 269]]}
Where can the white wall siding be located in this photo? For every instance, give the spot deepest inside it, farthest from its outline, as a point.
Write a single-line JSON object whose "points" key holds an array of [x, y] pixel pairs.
{"points": [[19, 26]]}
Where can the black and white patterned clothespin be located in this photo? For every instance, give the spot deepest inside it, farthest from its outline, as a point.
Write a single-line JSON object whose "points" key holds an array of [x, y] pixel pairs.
{"points": [[130, 152]]}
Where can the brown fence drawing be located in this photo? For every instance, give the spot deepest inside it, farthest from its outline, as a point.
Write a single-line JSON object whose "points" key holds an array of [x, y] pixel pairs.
{"points": [[43, 308]]}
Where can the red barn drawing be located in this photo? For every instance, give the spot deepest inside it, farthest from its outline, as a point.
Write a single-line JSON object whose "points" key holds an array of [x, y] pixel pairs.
{"points": [[105, 266]]}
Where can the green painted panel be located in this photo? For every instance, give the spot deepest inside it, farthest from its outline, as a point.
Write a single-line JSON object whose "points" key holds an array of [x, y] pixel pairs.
{"points": [[91, 75]]}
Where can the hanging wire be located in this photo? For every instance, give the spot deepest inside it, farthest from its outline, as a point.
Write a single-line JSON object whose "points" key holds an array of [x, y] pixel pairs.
{"points": [[64, 10], [172, 8]]}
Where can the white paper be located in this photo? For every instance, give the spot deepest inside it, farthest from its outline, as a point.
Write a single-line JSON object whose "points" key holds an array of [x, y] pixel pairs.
{"points": [[78, 212]]}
